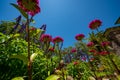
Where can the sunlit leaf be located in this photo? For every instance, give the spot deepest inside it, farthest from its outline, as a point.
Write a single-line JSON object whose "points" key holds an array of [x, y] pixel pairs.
{"points": [[21, 57], [53, 77], [48, 73], [18, 78], [33, 56], [16, 35]]}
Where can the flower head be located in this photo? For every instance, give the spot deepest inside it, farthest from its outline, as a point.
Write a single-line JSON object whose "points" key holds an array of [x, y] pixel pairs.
{"points": [[29, 6], [46, 38], [90, 44], [79, 36], [73, 50], [95, 24], [105, 43], [93, 51], [57, 39]]}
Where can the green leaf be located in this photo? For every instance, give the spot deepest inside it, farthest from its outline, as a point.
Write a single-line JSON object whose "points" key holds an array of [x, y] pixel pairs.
{"points": [[20, 10], [33, 56], [20, 57], [17, 35], [48, 73], [53, 77], [18, 78]]}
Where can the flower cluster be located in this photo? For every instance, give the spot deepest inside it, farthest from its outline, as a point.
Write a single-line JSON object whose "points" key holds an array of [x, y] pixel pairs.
{"points": [[105, 43], [79, 37], [104, 53], [57, 39], [90, 44], [46, 38], [29, 6], [95, 24], [93, 51], [73, 50]]}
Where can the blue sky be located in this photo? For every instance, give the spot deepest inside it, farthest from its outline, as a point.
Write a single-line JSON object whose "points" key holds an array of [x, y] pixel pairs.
{"points": [[66, 18]]}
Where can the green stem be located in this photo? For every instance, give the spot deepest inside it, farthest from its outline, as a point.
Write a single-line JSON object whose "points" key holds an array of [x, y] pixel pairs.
{"points": [[29, 62]]}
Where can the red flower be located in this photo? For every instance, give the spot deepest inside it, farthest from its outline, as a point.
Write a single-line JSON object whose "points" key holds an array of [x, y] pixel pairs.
{"points": [[29, 6], [105, 43], [93, 51], [103, 52], [79, 36], [90, 44], [51, 49], [95, 24], [75, 63], [46, 38], [73, 50], [57, 39]]}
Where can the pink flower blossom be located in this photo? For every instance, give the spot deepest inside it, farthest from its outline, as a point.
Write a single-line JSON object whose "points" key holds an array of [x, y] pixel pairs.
{"points": [[73, 50], [57, 39], [95, 24], [105, 43], [90, 44], [29, 6], [79, 37], [46, 38]]}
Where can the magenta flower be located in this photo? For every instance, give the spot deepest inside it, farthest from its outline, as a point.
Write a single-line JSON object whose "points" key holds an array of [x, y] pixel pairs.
{"points": [[79, 37], [90, 44], [105, 43], [73, 50], [57, 39], [95, 24], [29, 6], [46, 38], [92, 51]]}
